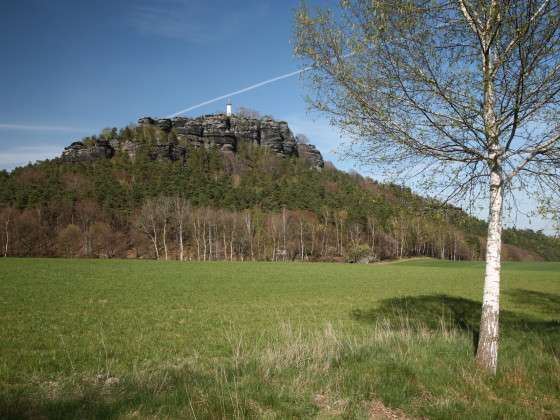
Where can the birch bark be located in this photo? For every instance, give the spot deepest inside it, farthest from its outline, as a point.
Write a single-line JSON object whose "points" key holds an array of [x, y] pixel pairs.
{"points": [[154, 241], [181, 246], [487, 352], [7, 238]]}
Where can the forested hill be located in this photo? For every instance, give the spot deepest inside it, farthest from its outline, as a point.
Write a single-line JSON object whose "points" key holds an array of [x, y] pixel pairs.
{"points": [[227, 188]]}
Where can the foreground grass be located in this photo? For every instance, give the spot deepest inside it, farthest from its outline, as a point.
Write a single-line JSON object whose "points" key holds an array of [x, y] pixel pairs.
{"points": [[142, 339]]}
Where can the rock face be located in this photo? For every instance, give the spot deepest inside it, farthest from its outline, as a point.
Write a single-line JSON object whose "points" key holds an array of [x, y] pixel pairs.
{"points": [[80, 152], [209, 131], [311, 154], [130, 148], [225, 133], [168, 151]]}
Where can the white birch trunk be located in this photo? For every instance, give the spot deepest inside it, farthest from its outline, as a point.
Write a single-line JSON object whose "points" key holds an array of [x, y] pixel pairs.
{"points": [[210, 240], [196, 237], [164, 236], [181, 246], [204, 242], [7, 238], [301, 238], [487, 352], [312, 240], [154, 241], [284, 233]]}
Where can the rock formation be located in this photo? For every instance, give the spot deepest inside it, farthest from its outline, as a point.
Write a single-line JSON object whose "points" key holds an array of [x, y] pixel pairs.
{"points": [[80, 152], [210, 131], [310, 153]]}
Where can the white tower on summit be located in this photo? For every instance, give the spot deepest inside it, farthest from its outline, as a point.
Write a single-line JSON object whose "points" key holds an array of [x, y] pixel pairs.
{"points": [[228, 108]]}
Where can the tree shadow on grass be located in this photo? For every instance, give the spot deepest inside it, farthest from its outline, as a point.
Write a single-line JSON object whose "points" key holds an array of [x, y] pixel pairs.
{"points": [[168, 394], [547, 303], [90, 407], [452, 312], [227, 392]]}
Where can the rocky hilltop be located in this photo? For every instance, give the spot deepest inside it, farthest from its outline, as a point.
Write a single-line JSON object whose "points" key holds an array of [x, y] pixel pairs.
{"points": [[219, 131]]}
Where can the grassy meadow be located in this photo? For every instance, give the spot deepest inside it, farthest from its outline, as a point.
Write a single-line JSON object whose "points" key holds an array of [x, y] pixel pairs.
{"points": [[146, 339]]}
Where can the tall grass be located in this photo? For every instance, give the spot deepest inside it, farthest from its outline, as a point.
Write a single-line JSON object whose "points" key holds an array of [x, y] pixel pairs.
{"points": [[396, 366]]}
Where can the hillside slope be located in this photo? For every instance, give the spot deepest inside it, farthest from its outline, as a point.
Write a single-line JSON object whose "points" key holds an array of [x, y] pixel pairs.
{"points": [[167, 189]]}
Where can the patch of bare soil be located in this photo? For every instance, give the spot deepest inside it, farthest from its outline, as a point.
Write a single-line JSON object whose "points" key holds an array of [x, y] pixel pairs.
{"points": [[379, 411], [328, 407]]}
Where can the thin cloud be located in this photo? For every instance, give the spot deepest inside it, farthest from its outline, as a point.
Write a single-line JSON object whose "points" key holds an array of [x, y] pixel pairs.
{"points": [[185, 20], [168, 23], [247, 89], [19, 156], [31, 127], [237, 92]]}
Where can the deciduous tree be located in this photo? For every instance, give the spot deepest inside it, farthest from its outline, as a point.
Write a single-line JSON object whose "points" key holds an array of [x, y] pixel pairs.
{"points": [[69, 241], [468, 87]]}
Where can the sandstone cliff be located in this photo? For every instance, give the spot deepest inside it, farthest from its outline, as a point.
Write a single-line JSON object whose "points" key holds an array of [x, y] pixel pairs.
{"points": [[223, 132]]}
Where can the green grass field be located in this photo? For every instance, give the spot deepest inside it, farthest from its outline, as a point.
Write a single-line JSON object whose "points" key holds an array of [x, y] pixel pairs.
{"points": [[146, 339]]}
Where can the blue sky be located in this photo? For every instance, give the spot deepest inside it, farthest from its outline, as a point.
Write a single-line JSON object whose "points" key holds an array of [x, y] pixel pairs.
{"points": [[72, 67]]}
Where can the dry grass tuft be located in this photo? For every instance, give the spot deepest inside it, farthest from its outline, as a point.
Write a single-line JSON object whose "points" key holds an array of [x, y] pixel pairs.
{"points": [[379, 411], [329, 407]]}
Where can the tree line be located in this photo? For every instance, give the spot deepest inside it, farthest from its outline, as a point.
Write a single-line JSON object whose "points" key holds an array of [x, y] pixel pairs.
{"points": [[171, 228], [253, 206]]}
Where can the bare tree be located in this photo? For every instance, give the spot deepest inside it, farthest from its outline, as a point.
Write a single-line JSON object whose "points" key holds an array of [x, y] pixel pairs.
{"points": [[155, 221], [164, 212], [106, 241], [6, 218], [467, 87], [371, 222], [148, 223], [302, 139], [301, 221], [248, 113], [181, 211], [69, 241], [249, 231], [86, 213]]}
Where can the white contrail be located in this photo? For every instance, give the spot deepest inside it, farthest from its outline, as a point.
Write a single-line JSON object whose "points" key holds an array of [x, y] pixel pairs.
{"points": [[237, 92], [43, 128]]}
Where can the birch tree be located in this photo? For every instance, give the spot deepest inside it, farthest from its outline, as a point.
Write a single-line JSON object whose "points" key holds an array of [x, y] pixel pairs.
{"points": [[6, 217], [164, 213], [148, 223], [467, 89], [181, 211]]}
